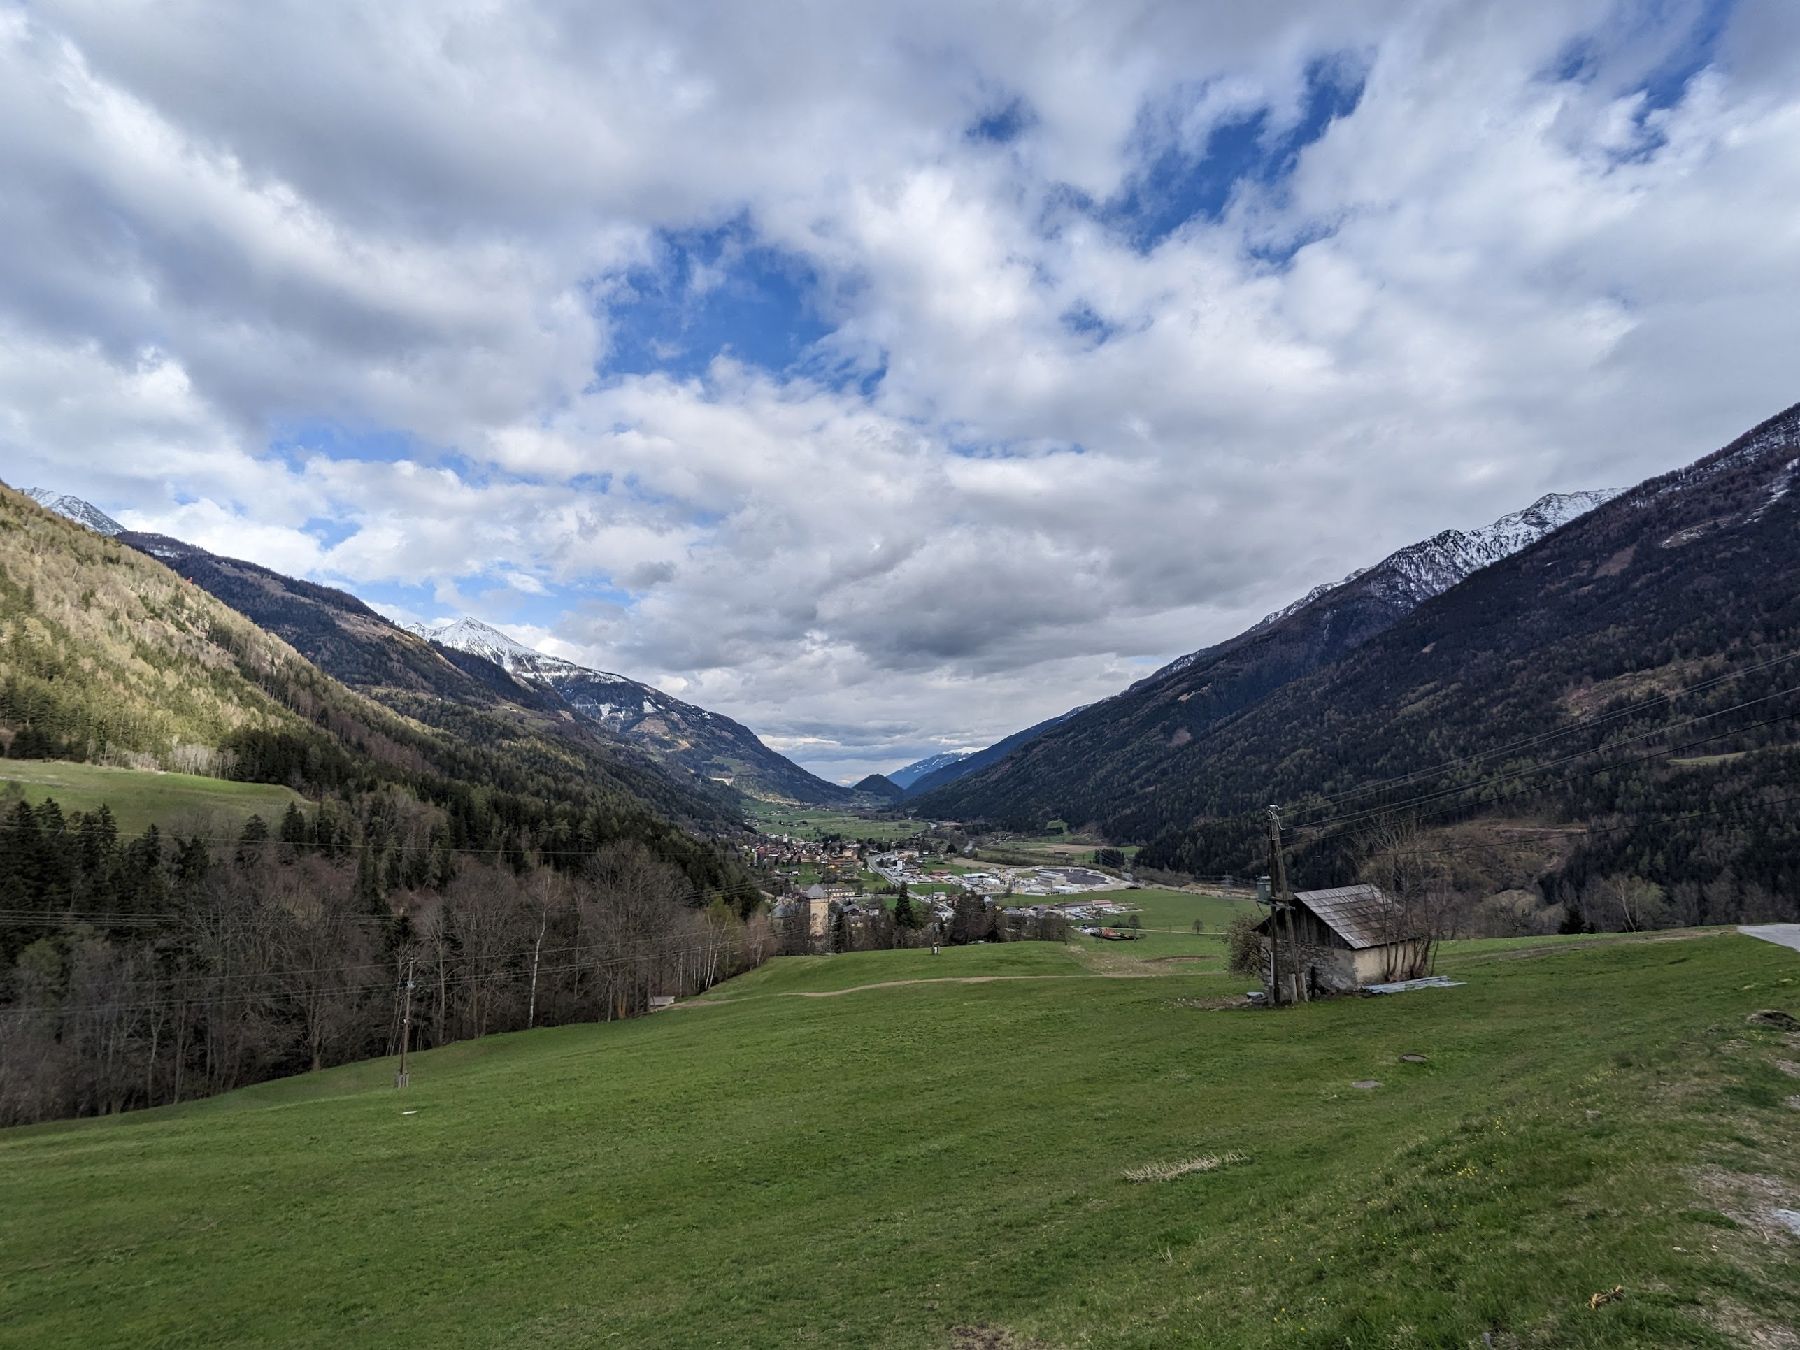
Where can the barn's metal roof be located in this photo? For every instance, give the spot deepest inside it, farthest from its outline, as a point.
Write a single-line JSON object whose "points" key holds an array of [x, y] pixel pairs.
{"points": [[1361, 915]]}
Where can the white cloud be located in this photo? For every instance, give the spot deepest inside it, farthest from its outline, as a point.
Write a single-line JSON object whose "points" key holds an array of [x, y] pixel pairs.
{"points": [[420, 218]]}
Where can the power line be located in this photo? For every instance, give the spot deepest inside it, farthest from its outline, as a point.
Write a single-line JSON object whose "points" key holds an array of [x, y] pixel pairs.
{"points": [[182, 1001], [1637, 821], [1390, 808], [1567, 729]]}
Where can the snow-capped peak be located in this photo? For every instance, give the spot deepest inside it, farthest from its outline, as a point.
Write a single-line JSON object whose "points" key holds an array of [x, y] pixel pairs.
{"points": [[511, 655], [1432, 566], [73, 508], [1414, 574], [911, 774], [480, 639]]}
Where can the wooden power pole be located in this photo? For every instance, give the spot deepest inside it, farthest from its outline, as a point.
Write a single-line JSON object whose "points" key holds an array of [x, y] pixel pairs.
{"points": [[1281, 911], [401, 1079]]}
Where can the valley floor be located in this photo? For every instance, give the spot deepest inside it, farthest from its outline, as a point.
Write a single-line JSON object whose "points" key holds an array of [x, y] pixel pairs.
{"points": [[937, 1157]]}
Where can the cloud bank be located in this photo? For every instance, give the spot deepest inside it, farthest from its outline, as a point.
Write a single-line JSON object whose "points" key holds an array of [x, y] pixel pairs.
{"points": [[889, 377]]}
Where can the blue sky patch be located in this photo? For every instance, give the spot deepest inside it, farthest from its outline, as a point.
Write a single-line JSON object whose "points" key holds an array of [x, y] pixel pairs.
{"points": [[1689, 48], [1178, 184], [1002, 125], [714, 291], [1082, 321], [294, 440]]}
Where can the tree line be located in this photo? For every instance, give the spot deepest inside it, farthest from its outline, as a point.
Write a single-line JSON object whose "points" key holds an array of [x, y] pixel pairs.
{"points": [[156, 968], [875, 925]]}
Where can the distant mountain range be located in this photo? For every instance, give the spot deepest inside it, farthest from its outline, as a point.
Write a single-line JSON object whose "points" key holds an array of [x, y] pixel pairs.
{"points": [[964, 765], [905, 778], [707, 743], [1615, 673], [108, 655], [1103, 764], [445, 675]]}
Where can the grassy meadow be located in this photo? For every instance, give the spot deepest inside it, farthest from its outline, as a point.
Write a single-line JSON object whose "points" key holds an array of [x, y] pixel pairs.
{"points": [[819, 822], [896, 1149], [141, 798]]}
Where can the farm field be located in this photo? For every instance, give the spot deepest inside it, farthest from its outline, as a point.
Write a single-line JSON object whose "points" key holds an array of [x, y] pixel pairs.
{"points": [[140, 798], [1177, 910], [892, 1149], [810, 822]]}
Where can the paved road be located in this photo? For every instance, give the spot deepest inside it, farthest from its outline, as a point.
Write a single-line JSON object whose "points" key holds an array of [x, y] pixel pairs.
{"points": [[1785, 934]]}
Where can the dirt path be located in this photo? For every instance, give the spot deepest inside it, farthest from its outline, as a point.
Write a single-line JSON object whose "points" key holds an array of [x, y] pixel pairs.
{"points": [[896, 984], [936, 979]]}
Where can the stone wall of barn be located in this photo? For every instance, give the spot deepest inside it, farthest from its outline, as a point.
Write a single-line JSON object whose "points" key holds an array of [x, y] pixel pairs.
{"points": [[1392, 961]]}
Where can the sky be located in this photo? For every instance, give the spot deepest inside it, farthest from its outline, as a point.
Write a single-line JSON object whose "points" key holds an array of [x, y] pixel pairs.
{"points": [[888, 377]]}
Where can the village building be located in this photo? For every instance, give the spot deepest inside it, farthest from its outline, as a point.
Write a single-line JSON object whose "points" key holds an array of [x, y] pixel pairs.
{"points": [[1351, 936]]}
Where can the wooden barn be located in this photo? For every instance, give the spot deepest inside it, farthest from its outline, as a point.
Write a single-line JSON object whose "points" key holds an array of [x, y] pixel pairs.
{"points": [[1351, 936]]}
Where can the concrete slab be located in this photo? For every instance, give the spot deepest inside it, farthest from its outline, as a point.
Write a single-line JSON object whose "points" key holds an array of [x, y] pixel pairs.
{"points": [[1782, 934]]}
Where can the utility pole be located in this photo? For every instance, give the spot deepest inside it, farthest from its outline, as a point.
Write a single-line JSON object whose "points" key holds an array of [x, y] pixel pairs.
{"points": [[536, 951], [1281, 912], [401, 1079]]}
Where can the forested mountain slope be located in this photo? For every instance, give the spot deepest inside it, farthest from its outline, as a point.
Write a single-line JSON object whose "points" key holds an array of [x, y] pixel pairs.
{"points": [[705, 743], [336, 631], [1101, 763], [1635, 673], [453, 675], [505, 876], [107, 655], [467, 696], [879, 788]]}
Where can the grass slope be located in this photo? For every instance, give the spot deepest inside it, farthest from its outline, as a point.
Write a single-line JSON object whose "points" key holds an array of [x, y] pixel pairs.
{"points": [[887, 1166], [139, 799]]}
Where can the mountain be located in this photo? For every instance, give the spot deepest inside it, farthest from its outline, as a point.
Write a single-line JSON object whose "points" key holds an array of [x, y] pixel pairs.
{"points": [[905, 778], [1107, 764], [707, 743], [1625, 691], [73, 508], [435, 676], [459, 695], [964, 765], [108, 655], [338, 632], [877, 786], [1633, 678], [1410, 576]]}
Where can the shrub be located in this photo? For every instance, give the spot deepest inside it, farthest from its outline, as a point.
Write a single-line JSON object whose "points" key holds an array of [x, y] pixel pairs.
{"points": [[1243, 946]]}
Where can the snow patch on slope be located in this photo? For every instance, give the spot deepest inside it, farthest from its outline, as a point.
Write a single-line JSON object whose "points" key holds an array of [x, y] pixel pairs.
{"points": [[913, 772], [1415, 574], [1432, 566], [73, 508]]}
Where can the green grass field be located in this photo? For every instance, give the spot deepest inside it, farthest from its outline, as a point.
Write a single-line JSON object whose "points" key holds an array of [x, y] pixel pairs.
{"points": [[896, 1149], [1048, 850], [808, 822], [140, 798], [1177, 910]]}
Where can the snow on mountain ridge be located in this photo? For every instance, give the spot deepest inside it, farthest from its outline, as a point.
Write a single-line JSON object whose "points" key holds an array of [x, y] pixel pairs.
{"points": [[708, 743], [1432, 566], [75, 509], [472, 635], [906, 777], [1418, 572]]}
